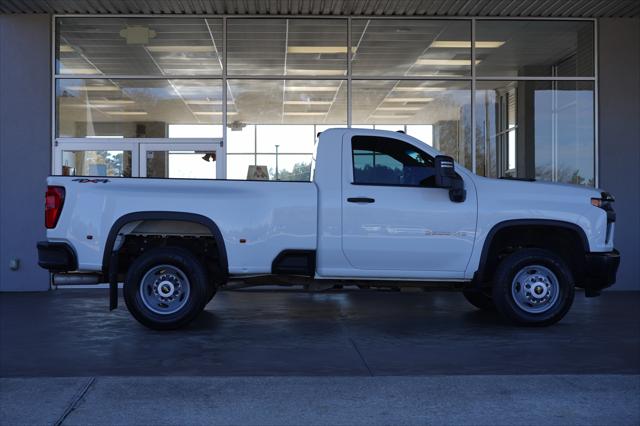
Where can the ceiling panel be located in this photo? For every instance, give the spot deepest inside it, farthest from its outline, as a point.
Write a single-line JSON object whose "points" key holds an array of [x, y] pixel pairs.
{"points": [[522, 8]]}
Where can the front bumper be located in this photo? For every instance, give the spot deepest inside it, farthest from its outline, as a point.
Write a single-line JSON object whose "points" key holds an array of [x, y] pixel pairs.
{"points": [[600, 271], [56, 257]]}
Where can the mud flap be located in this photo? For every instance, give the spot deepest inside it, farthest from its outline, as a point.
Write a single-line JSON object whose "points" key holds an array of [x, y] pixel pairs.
{"points": [[113, 281]]}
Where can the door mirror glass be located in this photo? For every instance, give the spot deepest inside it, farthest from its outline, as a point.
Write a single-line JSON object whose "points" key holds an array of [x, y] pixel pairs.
{"points": [[445, 171], [446, 177]]}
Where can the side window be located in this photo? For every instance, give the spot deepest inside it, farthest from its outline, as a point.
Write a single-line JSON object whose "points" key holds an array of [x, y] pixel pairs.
{"points": [[387, 161]]}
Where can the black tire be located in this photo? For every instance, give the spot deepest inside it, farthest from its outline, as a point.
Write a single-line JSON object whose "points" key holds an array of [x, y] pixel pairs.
{"points": [[190, 305], [524, 261], [480, 298]]}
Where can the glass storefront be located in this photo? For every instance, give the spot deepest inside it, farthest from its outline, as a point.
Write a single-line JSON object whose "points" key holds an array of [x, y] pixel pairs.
{"points": [[516, 101]]}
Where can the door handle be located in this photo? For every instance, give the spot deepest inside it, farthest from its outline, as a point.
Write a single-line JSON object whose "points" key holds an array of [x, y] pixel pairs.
{"points": [[361, 200]]}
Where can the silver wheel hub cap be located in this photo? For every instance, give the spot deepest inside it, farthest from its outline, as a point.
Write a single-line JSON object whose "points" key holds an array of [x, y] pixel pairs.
{"points": [[164, 289], [535, 289]]}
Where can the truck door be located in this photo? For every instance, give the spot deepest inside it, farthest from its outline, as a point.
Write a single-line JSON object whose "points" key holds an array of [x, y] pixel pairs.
{"points": [[395, 223]]}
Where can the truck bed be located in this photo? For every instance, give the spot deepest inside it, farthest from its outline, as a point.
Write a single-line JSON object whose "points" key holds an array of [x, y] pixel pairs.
{"points": [[257, 219]]}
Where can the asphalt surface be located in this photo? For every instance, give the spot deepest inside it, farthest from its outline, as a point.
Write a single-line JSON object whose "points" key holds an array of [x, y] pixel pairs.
{"points": [[275, 333], [290, 357]]}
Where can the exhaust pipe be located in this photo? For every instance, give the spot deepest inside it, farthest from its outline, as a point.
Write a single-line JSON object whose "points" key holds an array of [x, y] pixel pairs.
{"points": [[77, 279]]}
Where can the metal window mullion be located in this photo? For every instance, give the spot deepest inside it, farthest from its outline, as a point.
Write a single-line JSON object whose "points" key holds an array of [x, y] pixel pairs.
{"points": [[381, 17], [224, 145], [349, 58], [54, 116], [596, 118], [473, 96]]}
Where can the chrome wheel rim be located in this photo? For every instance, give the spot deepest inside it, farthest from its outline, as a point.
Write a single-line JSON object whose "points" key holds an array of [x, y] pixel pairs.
{"points": [[535, 289], [164, 289]]}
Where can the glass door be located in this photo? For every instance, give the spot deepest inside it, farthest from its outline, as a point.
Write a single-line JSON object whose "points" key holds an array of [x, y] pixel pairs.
{"points": [[178, 158], [116, 157], [181, 159]]}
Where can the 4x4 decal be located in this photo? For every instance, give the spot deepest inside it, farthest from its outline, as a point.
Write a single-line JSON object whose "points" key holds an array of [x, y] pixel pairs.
{"points": [[91, 180]]}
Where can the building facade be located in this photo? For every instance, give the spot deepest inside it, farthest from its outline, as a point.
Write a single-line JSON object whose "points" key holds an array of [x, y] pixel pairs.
{"points": [[552, 95]]}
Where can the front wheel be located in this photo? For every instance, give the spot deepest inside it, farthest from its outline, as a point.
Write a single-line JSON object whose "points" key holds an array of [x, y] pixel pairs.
{"points": [[166, 288], [533, 287]]}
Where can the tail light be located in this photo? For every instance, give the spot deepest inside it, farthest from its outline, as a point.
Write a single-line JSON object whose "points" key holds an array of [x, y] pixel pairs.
{"points": [[54, 200]]}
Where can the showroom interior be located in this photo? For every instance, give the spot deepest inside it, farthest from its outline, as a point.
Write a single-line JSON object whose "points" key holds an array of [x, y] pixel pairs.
{"points": [[136, 94]]}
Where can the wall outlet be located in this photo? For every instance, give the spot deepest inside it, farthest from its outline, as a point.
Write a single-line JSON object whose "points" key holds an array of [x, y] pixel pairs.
{"points": [[14, 264]]}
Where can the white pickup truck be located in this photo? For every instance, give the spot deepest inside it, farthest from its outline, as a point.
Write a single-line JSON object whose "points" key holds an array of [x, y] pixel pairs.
{"points": [[382, 209]]}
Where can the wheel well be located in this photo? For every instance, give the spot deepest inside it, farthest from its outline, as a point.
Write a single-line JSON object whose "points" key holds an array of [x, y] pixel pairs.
{"points": [[204, 247], [563, 240], [134, 233]]}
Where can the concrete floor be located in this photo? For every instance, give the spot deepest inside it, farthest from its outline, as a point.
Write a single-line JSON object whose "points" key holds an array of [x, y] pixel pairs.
{"points": [[436, 353]]}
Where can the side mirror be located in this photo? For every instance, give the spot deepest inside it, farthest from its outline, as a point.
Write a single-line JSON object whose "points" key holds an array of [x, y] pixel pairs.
{"points": [[445, 171], [446, 177]]}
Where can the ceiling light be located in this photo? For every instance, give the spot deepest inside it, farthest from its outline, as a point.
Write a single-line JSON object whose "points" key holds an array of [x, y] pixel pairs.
{"points": [[305, 113], [314, 72], [174, 49], [403, 100], [308, 102], [94, 88], [213, 113], [116, 101], [126, 112], [203, 102], [80, 71], [467, 44], [446, 62], [312, 88], [393, 116], [189, 71], [419, 89], [398, 108], [65, 48], [319, 49]]}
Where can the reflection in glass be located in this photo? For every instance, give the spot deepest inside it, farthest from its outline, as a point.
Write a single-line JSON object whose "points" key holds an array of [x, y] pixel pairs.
{"points": [[287, 167], [288, 102], [139, 46], [404, 47], [96, 163], [292, 47], [536, 129], [181, 164], [135, 108], [534, 48], [445, 106]]}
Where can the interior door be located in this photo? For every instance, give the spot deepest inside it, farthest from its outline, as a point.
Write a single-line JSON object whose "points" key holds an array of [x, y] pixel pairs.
{"points": [[115, 157], [394, 221], [123, 157], [183, 159]]}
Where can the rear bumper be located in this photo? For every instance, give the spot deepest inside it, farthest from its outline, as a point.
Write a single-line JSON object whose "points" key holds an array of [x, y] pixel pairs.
{"points": [[600, 271], [56, 257]]}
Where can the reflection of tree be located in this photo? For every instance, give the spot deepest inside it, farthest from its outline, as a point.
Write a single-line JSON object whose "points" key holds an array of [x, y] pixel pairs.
{"points": [[114, 163], [300, 172], [565, 174]]}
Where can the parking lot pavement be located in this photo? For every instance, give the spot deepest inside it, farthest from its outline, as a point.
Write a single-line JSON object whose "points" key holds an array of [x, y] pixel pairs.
{"points": [[256, 333], [508, 400], [290, 357]]}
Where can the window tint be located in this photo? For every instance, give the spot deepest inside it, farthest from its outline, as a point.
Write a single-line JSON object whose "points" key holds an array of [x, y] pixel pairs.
{"points": [[386, 161]]}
